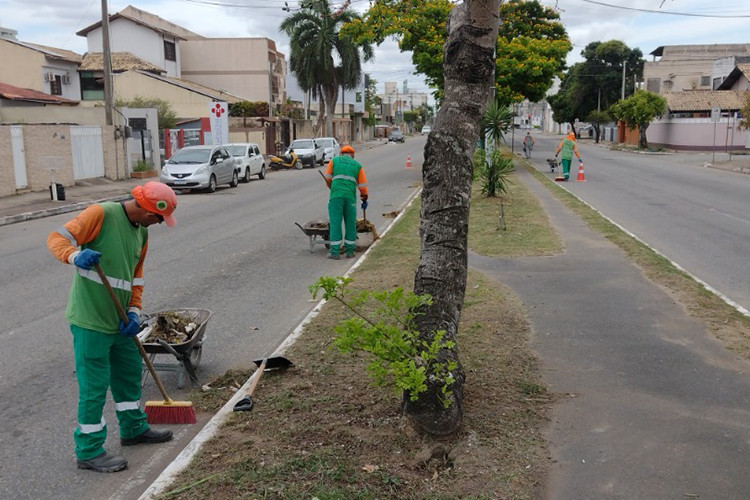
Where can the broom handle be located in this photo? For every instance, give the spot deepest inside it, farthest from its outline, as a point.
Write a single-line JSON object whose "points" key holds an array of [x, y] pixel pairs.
{"points": [[124, 318]]}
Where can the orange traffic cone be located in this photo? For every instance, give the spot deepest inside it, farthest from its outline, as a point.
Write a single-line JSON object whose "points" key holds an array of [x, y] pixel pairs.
{"points": [[408, 161], [581, 177]]}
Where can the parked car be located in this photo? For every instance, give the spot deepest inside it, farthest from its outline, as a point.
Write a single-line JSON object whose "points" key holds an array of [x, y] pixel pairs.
{"points": [[200, 167], [248, 158], [426, 130], [396, 136], [308, 151], [331, 147]]}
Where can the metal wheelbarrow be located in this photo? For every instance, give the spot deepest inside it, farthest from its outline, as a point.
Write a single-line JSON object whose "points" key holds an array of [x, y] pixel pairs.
{"points": [[188, 353], [552, 164], [318, 231]]}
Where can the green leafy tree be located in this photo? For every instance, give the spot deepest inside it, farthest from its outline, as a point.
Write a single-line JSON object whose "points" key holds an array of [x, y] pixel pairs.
{"points": [[165, 115], [315, 46], [248, 109], [597, 119], [638, 111], [596, 83], [531, 45], [745, 114], [531, 48]]}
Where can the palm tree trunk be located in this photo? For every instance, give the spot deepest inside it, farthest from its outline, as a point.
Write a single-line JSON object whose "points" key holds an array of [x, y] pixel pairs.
{"points": [[469, 62]]}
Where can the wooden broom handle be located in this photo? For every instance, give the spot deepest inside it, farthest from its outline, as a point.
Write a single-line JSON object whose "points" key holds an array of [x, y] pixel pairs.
{"points": [[124, 318]]}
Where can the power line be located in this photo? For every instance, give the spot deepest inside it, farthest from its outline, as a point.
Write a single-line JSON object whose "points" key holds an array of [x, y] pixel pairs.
{"points": [[672, 13]]}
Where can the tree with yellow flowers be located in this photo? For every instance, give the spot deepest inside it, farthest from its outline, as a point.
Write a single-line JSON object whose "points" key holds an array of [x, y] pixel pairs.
{"points": [[531, 46]]}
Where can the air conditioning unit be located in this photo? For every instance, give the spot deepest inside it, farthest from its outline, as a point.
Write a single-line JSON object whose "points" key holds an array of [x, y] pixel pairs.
{"points": [[66, 78], [49, 77]]}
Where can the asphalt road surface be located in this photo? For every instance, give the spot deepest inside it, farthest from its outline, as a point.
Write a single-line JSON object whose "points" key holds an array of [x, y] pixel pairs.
{"points": [[696, 216], [235, 252]]}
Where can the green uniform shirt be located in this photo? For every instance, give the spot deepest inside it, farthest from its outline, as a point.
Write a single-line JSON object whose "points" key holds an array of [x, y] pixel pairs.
{"points": [[121, 244], [345, 175], [567, 149]]}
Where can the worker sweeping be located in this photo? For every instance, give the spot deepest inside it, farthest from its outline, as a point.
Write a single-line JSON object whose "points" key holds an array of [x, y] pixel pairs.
{"points": [[568, 147], [344, 175], [115, 236]]}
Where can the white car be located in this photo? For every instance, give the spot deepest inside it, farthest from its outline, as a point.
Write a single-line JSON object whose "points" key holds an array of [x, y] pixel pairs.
{"points": [[200, 167], [426, 130], [331, 147], [248, 159], [308, 151]]}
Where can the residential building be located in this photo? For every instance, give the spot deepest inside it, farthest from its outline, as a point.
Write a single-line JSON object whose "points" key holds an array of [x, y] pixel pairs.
{"points": [[250, 68], [690, 67], [396, 101], [48, 70]]}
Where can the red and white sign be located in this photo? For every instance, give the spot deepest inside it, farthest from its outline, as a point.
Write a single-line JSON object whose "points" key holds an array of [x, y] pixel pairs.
{"points": [[218, 113]]}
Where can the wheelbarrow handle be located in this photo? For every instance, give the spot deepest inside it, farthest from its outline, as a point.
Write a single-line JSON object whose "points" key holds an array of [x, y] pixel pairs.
{"points": [[124, 318]]}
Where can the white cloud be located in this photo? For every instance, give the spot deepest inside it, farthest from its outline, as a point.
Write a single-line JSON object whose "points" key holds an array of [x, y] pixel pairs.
{"points": [[54, 23]]}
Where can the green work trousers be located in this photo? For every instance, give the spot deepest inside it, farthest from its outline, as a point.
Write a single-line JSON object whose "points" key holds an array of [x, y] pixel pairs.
{"points": [[346, 209], [566, 167], [105, 361]]}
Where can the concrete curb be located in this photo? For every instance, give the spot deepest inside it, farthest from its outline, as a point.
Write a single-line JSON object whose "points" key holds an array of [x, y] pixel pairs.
{"points": [[26, 216]]}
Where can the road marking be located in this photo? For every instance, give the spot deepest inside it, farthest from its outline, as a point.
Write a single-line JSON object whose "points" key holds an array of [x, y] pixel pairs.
{"points": [[746, 221]]}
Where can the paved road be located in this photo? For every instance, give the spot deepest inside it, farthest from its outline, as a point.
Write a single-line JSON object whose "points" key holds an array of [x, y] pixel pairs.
{"points": [[698, 217], [236, 252]]}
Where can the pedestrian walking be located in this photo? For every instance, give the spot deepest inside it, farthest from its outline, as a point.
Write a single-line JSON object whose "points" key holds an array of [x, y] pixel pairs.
{"points": [[115, 236], [528, 144], [568, 147], [344, 175]]}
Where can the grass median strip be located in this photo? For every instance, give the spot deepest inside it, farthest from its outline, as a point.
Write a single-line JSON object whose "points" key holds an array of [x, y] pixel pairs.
{"points": [[323, 430]]}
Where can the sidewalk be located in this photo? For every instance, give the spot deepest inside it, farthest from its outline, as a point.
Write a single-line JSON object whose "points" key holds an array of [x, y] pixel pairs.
{"points": [[649, 404], [28, 206]]}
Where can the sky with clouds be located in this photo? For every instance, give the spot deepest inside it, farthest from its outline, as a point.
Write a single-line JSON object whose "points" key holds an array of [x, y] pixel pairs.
{"points": [[55, 22]]}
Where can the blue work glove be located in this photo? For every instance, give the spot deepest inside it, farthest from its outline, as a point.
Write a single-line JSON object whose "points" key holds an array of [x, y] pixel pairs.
{"points": [[133, 327], [364, 205], [87, 258], [580, 160]]}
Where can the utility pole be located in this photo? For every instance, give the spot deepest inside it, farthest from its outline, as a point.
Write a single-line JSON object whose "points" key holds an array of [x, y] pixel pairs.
{"points": [[624, 65], [108, 94]]}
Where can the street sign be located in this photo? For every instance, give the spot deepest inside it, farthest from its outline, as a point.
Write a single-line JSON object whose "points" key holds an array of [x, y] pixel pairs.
{"points": [[138, 123], [715, 113]]}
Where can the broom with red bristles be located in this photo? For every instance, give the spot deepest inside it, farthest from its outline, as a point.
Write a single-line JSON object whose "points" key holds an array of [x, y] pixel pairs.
{"points": [[168, 411]]}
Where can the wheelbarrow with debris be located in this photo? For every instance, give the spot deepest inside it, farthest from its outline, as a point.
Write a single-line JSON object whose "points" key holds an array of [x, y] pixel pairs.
{"points": [[552, 162], [319, 232], [179, 332]]}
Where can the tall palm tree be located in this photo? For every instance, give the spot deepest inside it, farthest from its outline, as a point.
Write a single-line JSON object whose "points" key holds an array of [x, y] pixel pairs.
{"points": [[315, 45], [350, 70]]}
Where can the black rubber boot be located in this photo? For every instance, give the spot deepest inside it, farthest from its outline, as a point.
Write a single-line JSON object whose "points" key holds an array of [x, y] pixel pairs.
{"points": [[104, 463], [150, 436]]}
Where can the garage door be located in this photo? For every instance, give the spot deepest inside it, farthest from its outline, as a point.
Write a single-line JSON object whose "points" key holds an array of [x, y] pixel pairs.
{"points": [[88, 155]]}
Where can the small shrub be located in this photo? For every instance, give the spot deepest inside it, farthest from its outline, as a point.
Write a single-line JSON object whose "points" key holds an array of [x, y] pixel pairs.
{"points": [[494, 172], [143, 166], [402, 359]]}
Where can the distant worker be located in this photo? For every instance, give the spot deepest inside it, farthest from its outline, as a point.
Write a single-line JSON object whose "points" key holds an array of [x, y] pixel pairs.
{"points": [[568, 147], [528, 144], [344, 175]]}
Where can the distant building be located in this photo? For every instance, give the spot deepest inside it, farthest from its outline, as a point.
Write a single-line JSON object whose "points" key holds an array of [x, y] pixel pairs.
{"points": [[691, 67]]}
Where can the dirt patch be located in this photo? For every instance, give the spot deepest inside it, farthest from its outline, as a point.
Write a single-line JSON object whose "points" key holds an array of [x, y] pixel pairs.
{"points": [[322, 430]]}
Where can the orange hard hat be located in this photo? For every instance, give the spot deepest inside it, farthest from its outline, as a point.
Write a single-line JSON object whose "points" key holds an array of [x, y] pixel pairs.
{"points": [[347, 149], [158, 199]]}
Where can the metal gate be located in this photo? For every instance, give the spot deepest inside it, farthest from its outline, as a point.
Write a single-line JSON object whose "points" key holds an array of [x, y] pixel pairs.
{"points": [[19, 156], [88, 154]]}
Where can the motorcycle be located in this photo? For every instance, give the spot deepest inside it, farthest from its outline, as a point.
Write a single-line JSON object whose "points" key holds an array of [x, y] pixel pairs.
{"points": [[290, 160]]}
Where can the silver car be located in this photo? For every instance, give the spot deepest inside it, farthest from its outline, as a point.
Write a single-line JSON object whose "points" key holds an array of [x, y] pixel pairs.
{"points": [[331, 147], [200, 167], [248, 158], [308, 151]]}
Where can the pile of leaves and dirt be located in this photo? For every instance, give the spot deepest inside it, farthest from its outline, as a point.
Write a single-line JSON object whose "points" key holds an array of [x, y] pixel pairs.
{"points": [[322, 430]]}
